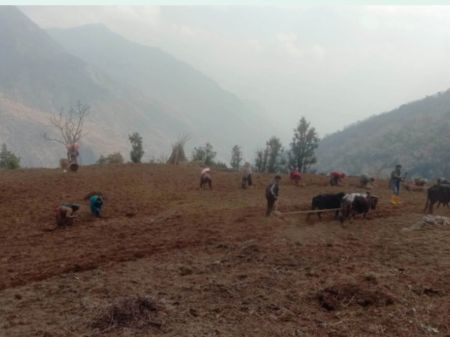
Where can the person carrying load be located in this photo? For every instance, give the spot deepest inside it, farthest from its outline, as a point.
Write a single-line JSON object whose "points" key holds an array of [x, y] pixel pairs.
{"points": [[72, 156], [205, 178]]}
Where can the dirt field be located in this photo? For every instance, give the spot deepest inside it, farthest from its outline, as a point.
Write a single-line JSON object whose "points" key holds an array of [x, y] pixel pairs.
{"points": [[170, 260]]}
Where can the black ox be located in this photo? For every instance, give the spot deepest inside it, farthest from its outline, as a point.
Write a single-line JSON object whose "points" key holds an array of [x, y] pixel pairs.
{"points": [[361, 204], [327, 201], [439, 194]]}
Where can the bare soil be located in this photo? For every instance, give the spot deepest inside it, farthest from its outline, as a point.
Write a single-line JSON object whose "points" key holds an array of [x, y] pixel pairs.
{"points": [[168, 259]]}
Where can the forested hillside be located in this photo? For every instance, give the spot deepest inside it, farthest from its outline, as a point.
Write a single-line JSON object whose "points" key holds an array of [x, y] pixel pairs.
{"points": [[416, 135]]}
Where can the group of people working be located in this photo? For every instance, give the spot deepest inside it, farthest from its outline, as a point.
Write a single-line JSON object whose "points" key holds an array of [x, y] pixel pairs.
{"points": [[336, 178], [66, 212]]}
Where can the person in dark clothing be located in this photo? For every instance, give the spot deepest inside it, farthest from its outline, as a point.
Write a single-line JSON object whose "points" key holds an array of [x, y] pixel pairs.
{"points": [[272, 194], [396, 178], [246, 176], [365, 181], [394, 184]]}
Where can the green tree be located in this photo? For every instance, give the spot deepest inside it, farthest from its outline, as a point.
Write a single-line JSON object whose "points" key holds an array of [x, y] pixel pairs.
{"points": [[236, 157], [303, 146], [113, 158], [274, 155], [8, 160], [137, 150], [205, 154], [260, 162], [220, 165], [271, 159]]}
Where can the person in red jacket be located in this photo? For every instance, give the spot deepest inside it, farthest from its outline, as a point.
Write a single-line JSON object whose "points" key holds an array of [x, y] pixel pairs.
{"points": [[336, 178], [296, 176]]}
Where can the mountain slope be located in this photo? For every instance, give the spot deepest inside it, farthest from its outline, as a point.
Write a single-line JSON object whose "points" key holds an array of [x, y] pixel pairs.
{"points": [[38, 76], [199, 101], [416, 135]]}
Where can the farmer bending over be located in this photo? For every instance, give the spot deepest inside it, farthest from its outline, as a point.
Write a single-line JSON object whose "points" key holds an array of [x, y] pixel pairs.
{"points": [[65, 214]]}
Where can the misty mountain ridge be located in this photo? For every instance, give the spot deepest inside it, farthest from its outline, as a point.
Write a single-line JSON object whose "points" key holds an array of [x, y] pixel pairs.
{"points": [[126, 93], [195, 97], [415, 135]]}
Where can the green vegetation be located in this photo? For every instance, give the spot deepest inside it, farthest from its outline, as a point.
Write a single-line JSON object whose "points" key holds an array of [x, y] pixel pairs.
{"points": [[303, 146], [272, 159], [236, 157], [137, 150], [205, 154], [113, 158], [8, 160], [416, 135]]}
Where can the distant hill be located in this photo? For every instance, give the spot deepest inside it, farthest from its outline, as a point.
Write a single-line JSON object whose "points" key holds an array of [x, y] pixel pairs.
{"points": [[39, 75], [198, 100], [416, 135]]}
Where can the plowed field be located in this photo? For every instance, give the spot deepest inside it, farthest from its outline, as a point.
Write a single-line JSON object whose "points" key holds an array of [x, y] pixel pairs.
{"points": [[168, 259]]}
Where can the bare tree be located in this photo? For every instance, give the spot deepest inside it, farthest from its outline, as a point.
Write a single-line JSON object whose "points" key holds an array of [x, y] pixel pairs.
{"points": [[69, 124]]}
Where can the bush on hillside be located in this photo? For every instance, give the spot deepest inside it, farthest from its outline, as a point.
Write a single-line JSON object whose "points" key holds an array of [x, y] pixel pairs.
{"points": [[113, 158], [8, 160]]}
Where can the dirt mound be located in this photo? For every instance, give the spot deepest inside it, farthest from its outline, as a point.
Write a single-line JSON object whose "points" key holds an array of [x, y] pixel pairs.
{"points": [[129, 312], [430, 221], [345, 295]]}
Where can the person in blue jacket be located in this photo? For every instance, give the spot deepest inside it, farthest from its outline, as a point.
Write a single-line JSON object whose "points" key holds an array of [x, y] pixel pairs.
{"points": [[95, 200], [96, 203]]}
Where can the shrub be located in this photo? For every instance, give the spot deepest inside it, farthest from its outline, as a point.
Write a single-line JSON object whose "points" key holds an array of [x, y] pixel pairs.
{"points": [[8, 160]]}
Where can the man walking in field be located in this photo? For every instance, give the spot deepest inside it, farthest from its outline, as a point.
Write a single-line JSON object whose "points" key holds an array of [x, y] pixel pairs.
{"points": [[394, 184], [272, 194], [246, 175]]}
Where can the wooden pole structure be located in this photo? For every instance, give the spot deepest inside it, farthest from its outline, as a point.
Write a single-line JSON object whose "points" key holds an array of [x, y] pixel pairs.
{"points": [[311, 211]]}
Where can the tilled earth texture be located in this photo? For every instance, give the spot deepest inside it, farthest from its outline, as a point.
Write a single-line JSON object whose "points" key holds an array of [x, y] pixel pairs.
{"points": [[169, 259]]}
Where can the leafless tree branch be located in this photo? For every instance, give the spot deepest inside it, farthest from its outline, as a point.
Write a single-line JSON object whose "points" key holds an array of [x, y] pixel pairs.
{"points": [[69, 125]]}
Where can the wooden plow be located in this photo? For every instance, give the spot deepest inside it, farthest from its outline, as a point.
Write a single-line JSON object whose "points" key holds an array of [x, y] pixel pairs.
{"points": [[308, 211]]}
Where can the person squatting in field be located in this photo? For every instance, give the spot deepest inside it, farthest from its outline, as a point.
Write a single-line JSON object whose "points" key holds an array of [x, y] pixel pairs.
{"points": [[272, 194], [365, 181], [65, 214], [95, 204], [336, 178], [95, 200], [246, 175]]}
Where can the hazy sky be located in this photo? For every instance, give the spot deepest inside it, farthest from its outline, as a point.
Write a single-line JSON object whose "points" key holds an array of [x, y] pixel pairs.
{"points": [[333, 65]]}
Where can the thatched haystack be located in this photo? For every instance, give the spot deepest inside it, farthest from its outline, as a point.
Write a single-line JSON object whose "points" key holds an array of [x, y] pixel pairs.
{"points": [[178, 155]]}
